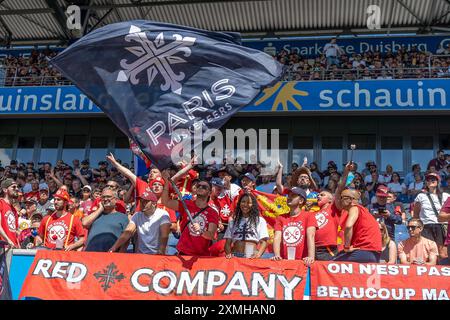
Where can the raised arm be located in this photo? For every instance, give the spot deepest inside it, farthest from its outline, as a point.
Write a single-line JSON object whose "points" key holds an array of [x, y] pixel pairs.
{"points": [[185, 170], [83, 180], [279, 180], [341, 185], [165, 200], [124, 171], [53, 176], [87, 221]]}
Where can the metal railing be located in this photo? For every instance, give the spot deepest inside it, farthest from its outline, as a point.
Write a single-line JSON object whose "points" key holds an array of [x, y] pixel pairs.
{"points": [[368, 74]]}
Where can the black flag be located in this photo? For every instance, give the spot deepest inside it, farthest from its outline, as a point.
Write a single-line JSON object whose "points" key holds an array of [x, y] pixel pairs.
{"points": [[5, 289], [160, 83]]}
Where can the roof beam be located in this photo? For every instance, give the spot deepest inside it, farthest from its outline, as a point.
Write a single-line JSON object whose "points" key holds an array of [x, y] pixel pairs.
{"points": [[60, 17], [410, 11], [429, 19]]}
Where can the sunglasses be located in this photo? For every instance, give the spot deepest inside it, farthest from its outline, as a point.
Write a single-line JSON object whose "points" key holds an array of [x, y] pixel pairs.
{"points": [[412, 227], [347, 198], [203, 186], [111, 186]]}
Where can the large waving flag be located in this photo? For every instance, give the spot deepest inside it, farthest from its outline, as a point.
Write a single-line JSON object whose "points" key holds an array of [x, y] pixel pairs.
{"points": [[153, 78]]}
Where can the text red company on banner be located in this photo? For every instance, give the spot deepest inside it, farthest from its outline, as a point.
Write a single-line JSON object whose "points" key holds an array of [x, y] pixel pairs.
{"points": [[89, 275], [340, 280]]}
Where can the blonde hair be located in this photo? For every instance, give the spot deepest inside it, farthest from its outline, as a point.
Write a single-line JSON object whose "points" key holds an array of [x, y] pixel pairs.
{"points": [[384, 235]]}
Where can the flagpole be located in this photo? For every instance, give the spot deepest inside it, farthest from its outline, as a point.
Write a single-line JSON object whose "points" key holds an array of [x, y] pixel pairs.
{"points": [[182, 200]]}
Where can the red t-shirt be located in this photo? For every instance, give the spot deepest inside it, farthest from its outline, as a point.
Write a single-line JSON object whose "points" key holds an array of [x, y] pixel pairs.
{"points": [[120, 206], [9, 220], [224, 206], [191, 243], [293, 233], [327, 223], [59, 228], [366, 232]]}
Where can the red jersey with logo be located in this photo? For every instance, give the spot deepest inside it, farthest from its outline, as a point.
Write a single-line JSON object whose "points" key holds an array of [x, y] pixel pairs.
{"points": [[224, 206], [327, 223], [293, 233], [9, 220], [366, 232], [190, 242], [120, 206], [53, 228]]}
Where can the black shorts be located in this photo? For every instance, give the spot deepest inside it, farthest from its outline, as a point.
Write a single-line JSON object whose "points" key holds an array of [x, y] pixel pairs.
{"points": [[435, 232]]}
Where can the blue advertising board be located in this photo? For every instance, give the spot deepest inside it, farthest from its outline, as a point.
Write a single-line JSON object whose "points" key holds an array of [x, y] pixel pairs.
{"points": [[313, 47], [304, 96]]}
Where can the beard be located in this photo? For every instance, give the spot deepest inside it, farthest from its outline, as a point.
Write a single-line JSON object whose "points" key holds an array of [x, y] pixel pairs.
{"points": [[304, 186]]}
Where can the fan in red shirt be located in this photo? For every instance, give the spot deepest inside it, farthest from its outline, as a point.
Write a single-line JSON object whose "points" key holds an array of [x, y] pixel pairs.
{"points": [[9, 219], [294, 234], [221, 202], [327, 219], [59, 230], [196, 235], [362, 236]]}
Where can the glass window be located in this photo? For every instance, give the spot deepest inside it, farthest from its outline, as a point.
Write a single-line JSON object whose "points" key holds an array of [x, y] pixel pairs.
{"points": [[49, 150], [392, 153], [444, 142], [302, 147], [98, 150], [74, 147], [122, 150], [365, 149], [421, 151], [331, 151], [6, 149], [25, 149]]}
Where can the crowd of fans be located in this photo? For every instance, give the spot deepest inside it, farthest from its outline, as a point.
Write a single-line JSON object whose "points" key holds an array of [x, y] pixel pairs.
{"points": [[231, 210], [335, 64], [332, 64], [33, 70]]}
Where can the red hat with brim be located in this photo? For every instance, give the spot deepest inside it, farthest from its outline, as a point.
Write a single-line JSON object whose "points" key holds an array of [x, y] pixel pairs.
{"points": [[62, 194], [148, 195]]}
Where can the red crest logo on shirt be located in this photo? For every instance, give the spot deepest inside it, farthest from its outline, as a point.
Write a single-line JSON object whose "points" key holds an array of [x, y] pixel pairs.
{"points": [[202, 221], [293, 234], [11, 220], [321, 219]]}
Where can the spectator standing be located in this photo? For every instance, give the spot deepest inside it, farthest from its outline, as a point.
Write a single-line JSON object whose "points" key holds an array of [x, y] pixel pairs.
{"points": [[362, 236], [294, 234], [332, 51], [152, 226], [426, 208], [9, 217], [61, 230], [105, 224], [247, 234], [385, 212], [417, 249], [195, 235], [438, 162]]}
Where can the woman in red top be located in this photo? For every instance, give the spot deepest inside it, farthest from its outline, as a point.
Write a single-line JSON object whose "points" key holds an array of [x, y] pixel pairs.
{"points": [[362, 236]]}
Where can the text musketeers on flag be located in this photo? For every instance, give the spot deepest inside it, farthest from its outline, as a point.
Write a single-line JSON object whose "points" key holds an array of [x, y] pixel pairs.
{"points": [[156, 80]]}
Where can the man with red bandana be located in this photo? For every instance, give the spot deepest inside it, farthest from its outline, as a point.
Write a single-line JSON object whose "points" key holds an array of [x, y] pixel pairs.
{"points": [[61, 228], [9, 217]]}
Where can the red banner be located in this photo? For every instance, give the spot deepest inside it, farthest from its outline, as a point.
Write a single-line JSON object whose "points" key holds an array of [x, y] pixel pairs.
{"points": [[61, 275], [341, 280]]}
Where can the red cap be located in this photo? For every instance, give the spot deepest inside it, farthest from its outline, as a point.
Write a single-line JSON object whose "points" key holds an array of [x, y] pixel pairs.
{"points": [[62, 194], [148, 195], [157, 179], [435, 175], [382, 191]]}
